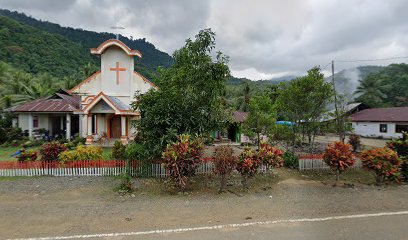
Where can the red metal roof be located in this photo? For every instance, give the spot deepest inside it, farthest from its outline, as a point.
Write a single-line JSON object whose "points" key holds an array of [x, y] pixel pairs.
{"points": [[240, 116], [394, 114], [58, 102]]}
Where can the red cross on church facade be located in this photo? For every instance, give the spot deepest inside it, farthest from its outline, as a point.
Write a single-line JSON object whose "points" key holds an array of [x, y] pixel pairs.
{"points": [[117, 69]]}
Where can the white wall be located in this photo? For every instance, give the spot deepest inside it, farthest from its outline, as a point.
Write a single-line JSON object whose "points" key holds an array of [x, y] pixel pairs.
{"points": [[23, 121], [372, 129]]}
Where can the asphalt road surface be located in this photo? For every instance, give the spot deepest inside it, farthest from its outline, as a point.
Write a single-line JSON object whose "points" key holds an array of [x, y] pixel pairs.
{"points": [[87, 208]]}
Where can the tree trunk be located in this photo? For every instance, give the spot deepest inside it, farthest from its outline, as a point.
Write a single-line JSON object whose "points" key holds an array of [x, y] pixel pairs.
{"points": [[338, 174], [244, 183], [222, 186], [259, 142]]}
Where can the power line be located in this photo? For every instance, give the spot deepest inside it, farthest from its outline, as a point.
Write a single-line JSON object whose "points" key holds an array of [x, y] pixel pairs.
{"points": [[372, 60]]}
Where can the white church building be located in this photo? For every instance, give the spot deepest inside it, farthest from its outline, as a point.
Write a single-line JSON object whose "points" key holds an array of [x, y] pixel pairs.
{"points": [[98, 107]]}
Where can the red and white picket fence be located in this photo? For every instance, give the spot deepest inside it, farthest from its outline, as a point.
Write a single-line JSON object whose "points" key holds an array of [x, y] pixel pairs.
{"points": [[88, 168], [315, 162]]}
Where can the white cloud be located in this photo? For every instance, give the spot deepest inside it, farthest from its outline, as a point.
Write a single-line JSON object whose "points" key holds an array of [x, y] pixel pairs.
{"points": [[263, 38]]}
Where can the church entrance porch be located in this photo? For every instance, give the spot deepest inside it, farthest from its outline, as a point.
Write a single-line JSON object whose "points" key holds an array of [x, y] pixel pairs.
{"points": [[103, 128]]}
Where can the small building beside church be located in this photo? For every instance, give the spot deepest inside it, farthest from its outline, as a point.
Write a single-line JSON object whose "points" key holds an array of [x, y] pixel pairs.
{"points": [[97, 107], [381, 122]]}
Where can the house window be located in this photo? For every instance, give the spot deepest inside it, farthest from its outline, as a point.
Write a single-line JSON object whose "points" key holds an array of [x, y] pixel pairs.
{"points": [[35, 121], [383, 128], [94, 124], [401, 128]]}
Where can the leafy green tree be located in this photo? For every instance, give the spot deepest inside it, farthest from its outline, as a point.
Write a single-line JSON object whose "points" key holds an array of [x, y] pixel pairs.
{"points": [[261, 118], [303, 101], [189, 95]]}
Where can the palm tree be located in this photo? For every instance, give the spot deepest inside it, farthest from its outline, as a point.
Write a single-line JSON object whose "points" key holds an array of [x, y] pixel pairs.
{"points": [[371, 91]]}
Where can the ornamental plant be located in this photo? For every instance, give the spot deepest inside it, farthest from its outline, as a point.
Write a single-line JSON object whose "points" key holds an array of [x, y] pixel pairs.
{"points": [[224, 163], [50, 151], [82, 153], [247, 164], [338, 156], [27, 155], [181, 159], [118, 151], [384, 162], [270, 156]]}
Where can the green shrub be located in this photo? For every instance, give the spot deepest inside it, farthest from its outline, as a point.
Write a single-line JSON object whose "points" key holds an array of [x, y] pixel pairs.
{"points": [[118, 151], [137, 152], [50, 151], [82, 153], [401, 147], [290, 160]]}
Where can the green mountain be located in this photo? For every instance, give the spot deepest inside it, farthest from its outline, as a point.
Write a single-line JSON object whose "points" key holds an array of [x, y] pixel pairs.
{"points": [[39, 46], [385, 88]]}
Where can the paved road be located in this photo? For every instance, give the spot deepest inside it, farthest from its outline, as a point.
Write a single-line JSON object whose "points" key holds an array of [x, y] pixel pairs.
{"points": [[47, 207], [372, 228]]}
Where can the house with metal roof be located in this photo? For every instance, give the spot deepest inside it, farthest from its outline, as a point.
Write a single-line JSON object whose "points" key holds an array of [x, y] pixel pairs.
{"points": [[97, 107], [381, 122]]}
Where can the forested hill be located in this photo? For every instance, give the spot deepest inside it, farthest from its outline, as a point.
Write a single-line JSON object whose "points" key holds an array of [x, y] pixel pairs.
{"points": [[37, 46], [385, 88]]}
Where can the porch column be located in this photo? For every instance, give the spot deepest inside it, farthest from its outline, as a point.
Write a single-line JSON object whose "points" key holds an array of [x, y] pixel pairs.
{"points": [[68, 126], [89, 137], [80, 118], [123, 137], [61, 123], [30, 125]]}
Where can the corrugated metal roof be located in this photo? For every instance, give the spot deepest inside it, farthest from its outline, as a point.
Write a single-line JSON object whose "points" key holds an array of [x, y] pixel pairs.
{"points": [[394, 114], [56, 103], [119, 104]]}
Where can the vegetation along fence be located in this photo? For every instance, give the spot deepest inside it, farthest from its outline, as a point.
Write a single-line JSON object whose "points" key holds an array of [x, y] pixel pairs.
{"points": [[88, 168], [315, 162]]}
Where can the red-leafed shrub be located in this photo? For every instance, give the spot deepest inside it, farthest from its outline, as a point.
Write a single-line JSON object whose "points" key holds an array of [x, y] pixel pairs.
{"points": [[181, 159], [384, 162], [224, 163], [50, 151], [338, 156], [270, 156], [247, 164]]}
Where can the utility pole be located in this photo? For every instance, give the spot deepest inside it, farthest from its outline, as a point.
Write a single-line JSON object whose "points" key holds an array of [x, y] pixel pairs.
{"points": [[339, 131]]}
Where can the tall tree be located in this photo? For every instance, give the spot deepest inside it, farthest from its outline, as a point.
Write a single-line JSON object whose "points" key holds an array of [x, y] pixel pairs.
{"points": [[261, 117], [304, 100], [189, 95]]}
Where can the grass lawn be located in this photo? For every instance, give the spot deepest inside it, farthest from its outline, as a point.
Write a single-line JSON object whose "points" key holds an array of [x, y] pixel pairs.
{"points": [[5, 152]]}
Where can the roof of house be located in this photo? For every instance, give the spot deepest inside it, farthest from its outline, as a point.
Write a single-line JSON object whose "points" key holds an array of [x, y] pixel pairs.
{"points": [[61, 101], [115, 42], [393, 114], [240, 116], [113, 102], [348, 109]]}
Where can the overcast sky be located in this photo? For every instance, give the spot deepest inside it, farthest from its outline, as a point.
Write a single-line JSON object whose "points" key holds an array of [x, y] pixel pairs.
{"points": [[264, 39]]}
